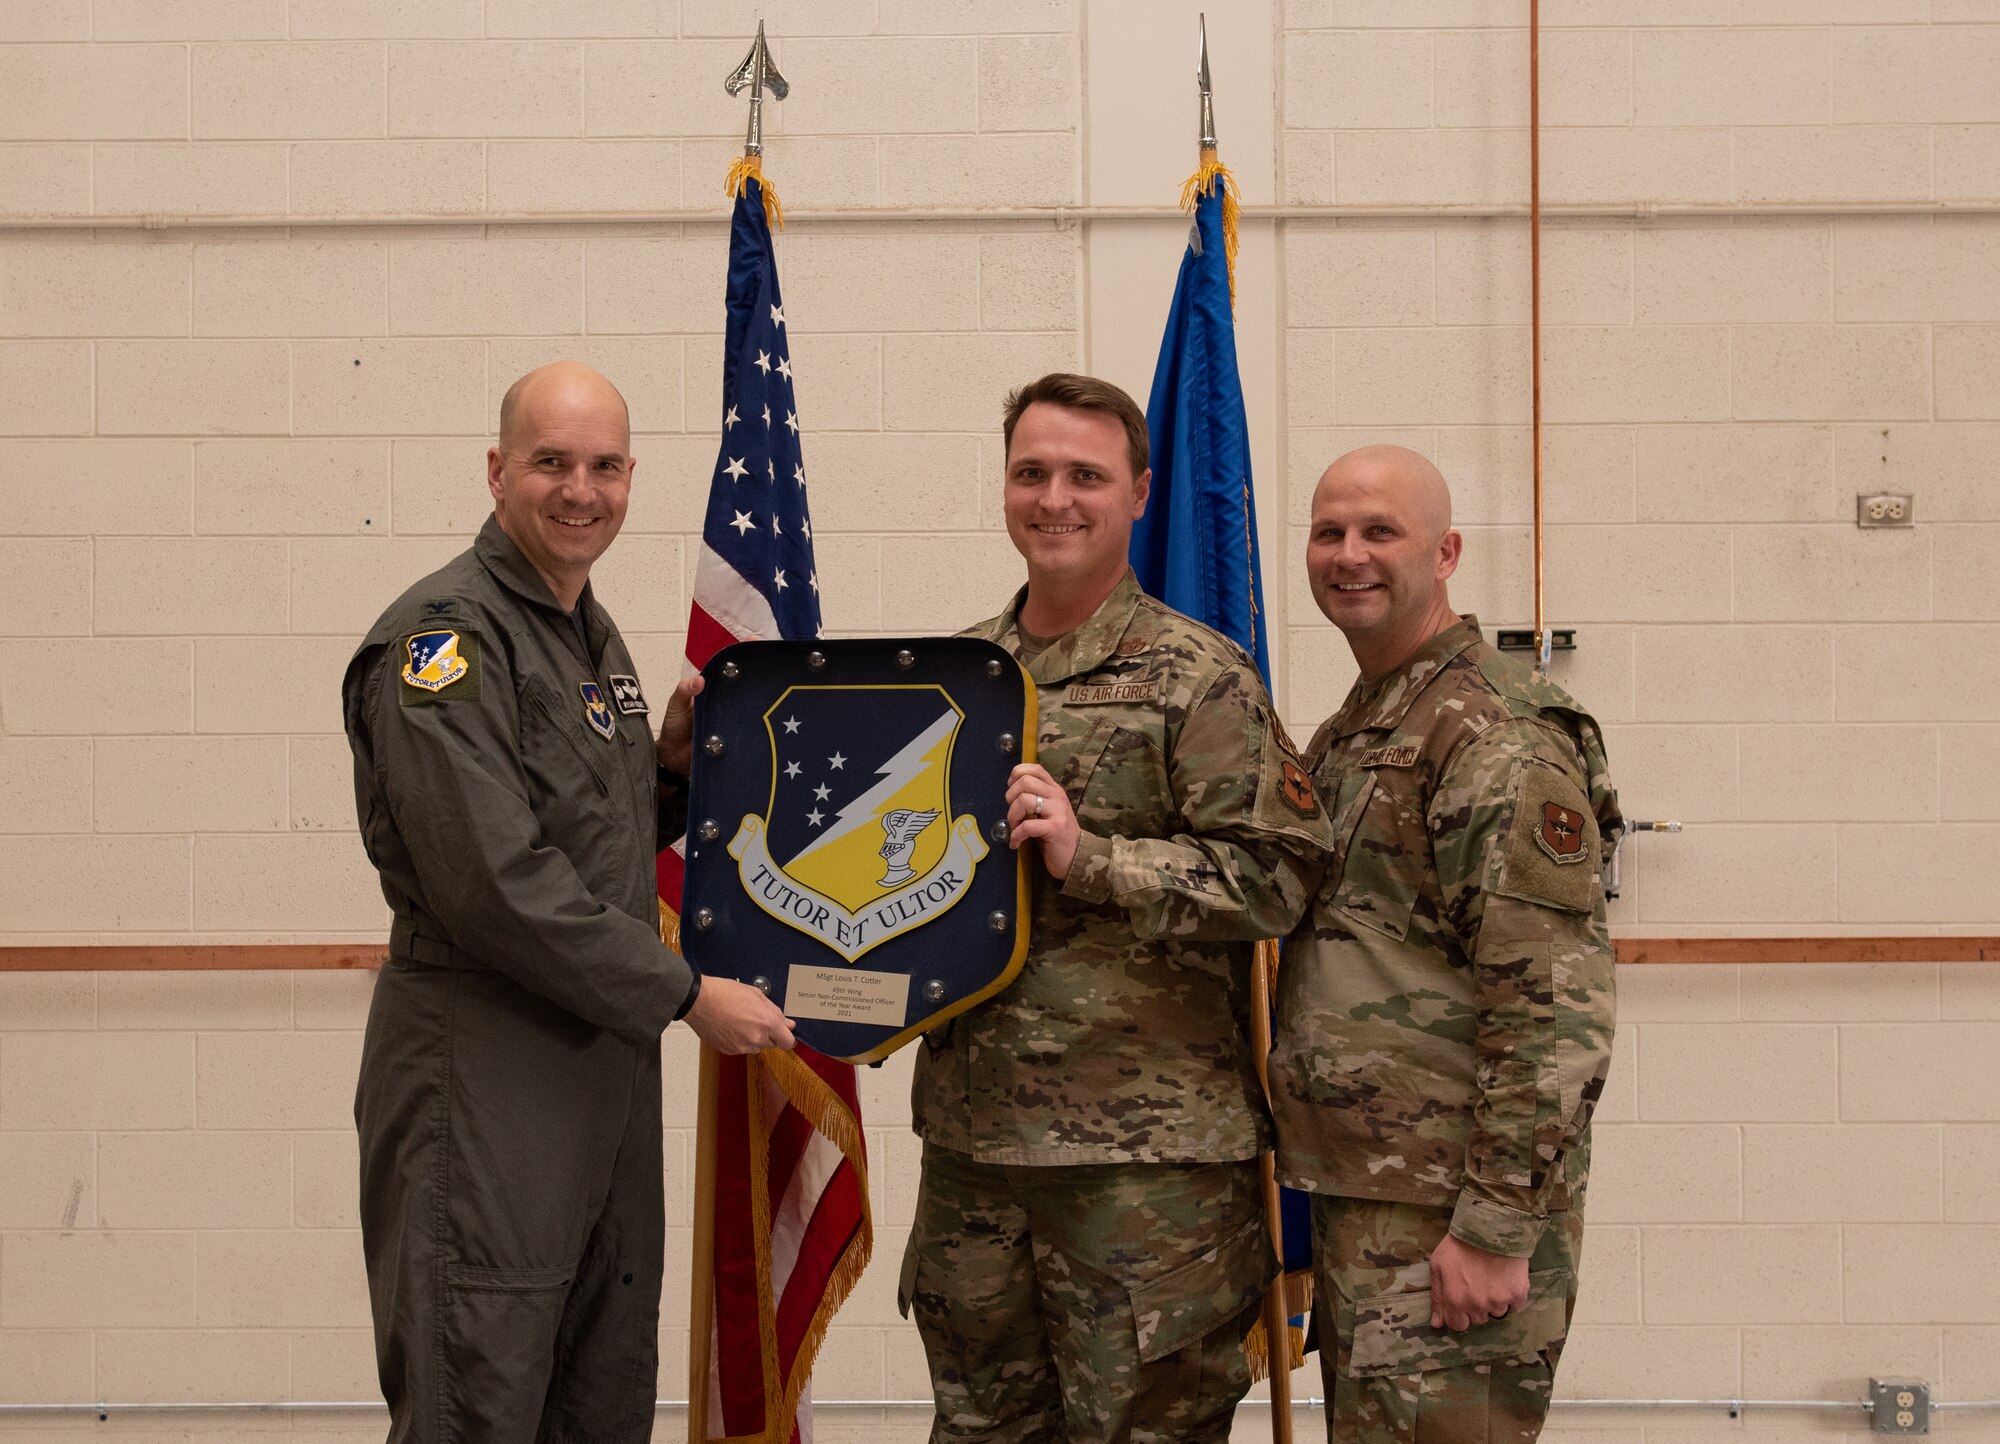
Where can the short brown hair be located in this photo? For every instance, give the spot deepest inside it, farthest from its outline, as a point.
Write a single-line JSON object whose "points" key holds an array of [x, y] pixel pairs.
{"points": [[1083, 393]]}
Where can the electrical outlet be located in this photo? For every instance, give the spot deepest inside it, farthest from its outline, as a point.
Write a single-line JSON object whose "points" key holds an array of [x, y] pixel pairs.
{"points": [[1900, 1406], [1885, 508]]}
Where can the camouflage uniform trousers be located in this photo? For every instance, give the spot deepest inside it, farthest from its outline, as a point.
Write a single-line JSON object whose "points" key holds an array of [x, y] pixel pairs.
{"points": [[1089, 1302], [1390, 1378]]}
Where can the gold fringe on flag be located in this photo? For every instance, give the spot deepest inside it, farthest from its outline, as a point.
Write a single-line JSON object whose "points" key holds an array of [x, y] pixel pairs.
{"points": [[747, 166], [1214, 173], [1256, 1349]]}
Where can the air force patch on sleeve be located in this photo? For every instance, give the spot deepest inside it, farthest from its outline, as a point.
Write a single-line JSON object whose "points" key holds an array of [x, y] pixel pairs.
{"points": [[437, 660]]}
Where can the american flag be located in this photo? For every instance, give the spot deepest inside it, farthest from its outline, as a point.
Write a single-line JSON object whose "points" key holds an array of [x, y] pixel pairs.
{"points": [[780, 1135]]}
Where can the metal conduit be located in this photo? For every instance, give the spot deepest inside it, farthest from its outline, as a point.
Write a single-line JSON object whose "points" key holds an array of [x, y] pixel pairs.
{"points": [[1059, 215]]}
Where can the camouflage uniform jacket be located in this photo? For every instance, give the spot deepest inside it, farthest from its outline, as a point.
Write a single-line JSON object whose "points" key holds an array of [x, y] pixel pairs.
{"points": [[1126, 1036], [1445, 1011]]}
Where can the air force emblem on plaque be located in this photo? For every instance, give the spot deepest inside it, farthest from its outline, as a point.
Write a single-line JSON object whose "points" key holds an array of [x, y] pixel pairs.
{"points": [[434, 661], [847, 843]]}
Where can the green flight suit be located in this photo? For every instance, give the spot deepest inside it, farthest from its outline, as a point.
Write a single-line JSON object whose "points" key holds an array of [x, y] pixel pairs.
{"points": [[509, 1098]]}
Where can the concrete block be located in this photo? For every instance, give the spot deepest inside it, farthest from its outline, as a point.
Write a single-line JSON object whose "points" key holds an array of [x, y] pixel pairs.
{"points": [[639, 580], [63, 1082], [189, 20], [1942, 1274], [1609, 1292], [1915, 74], [1767, 874], [45, 586], [1482, 75], [1921, 674], [388, 177], [1027, 82], [819, 172], [1879, 884], [862, 86], [1599, 674], [461, 88], [1969, 772], [1968, 372], [44, 20], [1482, 275], [438, 485], [1972, 1173], [290, 488], [50, 1002], [1635, 373], [640, 88], [37, 1365], [302, 881], [964, 17], [959, 382], [96, 884], [1947, 464], [1971, 1361], [1732, 77], [1739, 1072], [45, 180], [577, 175], [47, 1180], [1749, 1274], [670, 487], [861, 482], [325, 1169], [1919, 1072], [1309, 380], [183, 784], [280, 1278], [97, 1280], [1430, 167], [177, 586], [654, 286], [1495, 578], [1841, 1173], [332, 999], [1685, 773], [952, 581], [1586, 165], [193, 1001], [45, 388], [1741, 472], [1635, 574], [211, 180], [1473, 375], [397, 387], [304, 699], [821, 274], [1688, 274], [1839, 773], [68, 288], [1835, 992], [554, 19], [1028, 282], [1306, 164], [1361, 276], [194, 1180], [107, 488], [475, 288], [387, 19], [1831, 373], [319, 91], [94, 92], [154, 692], [1665, 1173], [1833, 163], [1833, 1361], [1358, 80], [1831, 572], [1624, 1363], [45, 784], [646, 369], [188, 1365], [1896, 268], [334, 1364], [955, 170], [308, 288], [1966, 156], [210, 388], [278, 1080], [850, 596], [733, 18]]}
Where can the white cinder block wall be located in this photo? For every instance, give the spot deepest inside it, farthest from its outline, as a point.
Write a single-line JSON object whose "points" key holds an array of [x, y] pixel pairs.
{"points": [[228, 446]]}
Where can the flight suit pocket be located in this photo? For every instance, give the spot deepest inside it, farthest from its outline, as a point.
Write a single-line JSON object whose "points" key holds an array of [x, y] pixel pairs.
{"points": [[1177, 1308], [1391, 1334], [500, 1331]]}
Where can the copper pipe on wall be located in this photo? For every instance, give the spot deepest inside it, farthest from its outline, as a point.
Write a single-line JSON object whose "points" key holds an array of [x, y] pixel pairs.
{"points": [[1535, 306]]}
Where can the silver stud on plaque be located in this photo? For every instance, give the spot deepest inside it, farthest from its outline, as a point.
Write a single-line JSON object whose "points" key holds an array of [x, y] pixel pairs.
{"points": [[713, 746], [993, 667], [815, 660], [704, 919], [731, 671], [709, 831], [1007, 743], [1000, 832], [906, 659], [997, 921], [762, 985], [934, 990]]}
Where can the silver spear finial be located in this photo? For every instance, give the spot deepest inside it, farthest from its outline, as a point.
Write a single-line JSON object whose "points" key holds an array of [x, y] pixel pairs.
{"points": [[1207, 95], [758, 74]]}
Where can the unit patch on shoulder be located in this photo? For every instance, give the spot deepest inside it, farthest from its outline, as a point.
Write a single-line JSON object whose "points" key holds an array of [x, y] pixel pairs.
{"points": [[1551, 849], [625, 693], [1401, 756], [440, 665], [1561, 833], [1297, 789], [596, 711]]}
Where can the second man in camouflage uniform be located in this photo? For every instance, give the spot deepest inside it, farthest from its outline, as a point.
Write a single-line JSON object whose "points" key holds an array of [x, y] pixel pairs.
{"points": [[1089, 1245], [1445, 1012]]}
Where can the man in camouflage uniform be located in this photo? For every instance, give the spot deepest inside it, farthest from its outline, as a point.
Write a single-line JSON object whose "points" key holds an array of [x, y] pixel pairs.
{"points": [[1445, 1011], [1089, 1247]]}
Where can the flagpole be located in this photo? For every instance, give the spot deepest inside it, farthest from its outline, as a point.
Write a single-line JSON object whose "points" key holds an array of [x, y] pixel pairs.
{"points": [[701, 1297]]}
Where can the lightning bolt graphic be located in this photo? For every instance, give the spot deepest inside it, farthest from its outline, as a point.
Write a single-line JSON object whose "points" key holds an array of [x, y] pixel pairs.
{"points": [[895, 774]]}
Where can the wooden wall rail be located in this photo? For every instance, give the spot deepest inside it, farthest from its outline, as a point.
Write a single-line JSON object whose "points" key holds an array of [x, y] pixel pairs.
{"points": [[119, 958]]}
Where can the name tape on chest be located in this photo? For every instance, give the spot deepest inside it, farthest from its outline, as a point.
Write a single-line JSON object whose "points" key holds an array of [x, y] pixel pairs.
{"points": [[1400, 756], [1085, 694]]}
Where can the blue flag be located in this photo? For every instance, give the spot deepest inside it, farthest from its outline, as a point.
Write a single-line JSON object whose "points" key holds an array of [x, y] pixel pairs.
{"points": [[1196, 546]]}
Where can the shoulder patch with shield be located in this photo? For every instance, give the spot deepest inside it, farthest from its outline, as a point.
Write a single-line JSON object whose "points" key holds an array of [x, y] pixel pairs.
{"points": [[1551, 852], [440, 664]]}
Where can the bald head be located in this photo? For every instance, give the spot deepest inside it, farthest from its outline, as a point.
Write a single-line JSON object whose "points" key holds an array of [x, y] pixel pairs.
{"points": [[561, 388], [1395, 476]]}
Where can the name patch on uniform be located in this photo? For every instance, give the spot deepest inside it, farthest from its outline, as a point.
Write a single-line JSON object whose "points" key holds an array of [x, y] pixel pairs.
{"points": [[1083, 694], [439, 659], [596, 711], [1403, 756], [626, 694]]}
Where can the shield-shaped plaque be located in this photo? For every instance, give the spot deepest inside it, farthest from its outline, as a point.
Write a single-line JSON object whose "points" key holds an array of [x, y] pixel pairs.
{"points": [[847, 832]]}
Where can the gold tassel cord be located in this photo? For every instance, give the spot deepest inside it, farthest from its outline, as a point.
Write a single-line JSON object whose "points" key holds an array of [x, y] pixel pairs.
{"points": [[1298, 1289], [1214, 173], [744, 168]]}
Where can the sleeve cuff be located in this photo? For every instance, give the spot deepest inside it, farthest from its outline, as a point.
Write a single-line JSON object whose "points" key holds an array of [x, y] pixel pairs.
{"points": [[1089, 877], [1495, 1227], [694, 991]]}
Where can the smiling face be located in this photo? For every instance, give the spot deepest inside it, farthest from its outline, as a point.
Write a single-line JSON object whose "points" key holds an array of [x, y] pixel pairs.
{"points": [[1380, 551], [561, 476], [1071, 499]]}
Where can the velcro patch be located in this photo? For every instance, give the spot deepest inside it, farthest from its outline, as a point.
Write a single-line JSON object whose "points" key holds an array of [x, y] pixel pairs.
{"points": [[625, 693], [1297, 789], [1551, 847], [1561, 833], [440, 665], [1084, 694], [1401, 756]]}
